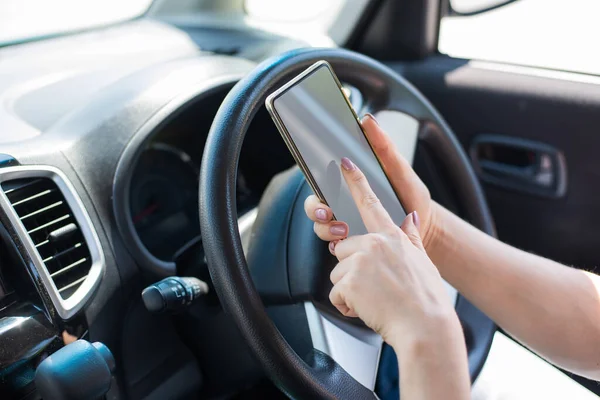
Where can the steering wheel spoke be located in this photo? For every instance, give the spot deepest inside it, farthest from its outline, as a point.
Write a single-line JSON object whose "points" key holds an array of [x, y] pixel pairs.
{"points": [[355, 348]]}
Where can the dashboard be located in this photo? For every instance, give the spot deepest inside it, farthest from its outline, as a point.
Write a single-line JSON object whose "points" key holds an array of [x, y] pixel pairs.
{"points": [[113, 126], [157, 192]]}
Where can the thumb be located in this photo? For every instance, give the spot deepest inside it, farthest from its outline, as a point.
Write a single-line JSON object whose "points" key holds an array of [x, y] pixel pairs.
{"points": [[410, 226]]}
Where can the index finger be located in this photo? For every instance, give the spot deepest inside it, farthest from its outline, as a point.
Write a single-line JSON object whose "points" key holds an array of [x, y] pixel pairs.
{"points": [[396, 167], [374, 216]]}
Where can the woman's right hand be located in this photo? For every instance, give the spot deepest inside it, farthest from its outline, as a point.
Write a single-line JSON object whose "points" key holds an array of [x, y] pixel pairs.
{"points": [[412, 192]]}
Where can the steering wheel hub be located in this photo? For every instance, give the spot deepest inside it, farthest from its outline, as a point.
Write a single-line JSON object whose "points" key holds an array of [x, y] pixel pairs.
{"points": [[288, 262]]}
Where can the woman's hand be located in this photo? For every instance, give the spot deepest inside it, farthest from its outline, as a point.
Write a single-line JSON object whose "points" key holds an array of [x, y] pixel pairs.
{"points": [[386, 278], [412, 192]]}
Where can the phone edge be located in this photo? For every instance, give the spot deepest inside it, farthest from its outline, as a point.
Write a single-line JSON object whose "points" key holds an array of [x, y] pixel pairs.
{"points": [[269, 103]]}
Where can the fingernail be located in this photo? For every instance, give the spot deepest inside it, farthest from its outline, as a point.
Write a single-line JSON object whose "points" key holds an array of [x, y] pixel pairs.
{"points": [[332, 248], [347, 164], [321, 214], [369, 115], [416, 220], [338, 230]]}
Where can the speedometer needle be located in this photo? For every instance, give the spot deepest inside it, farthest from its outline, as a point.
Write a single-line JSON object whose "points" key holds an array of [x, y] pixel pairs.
{"points": [[144, 213]]}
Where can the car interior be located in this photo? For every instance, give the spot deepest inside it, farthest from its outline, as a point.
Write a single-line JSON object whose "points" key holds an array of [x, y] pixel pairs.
{"points": [[153, 243]]}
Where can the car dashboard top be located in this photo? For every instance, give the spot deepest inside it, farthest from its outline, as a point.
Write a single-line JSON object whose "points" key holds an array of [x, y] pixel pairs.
{"points": [[101, 138]]}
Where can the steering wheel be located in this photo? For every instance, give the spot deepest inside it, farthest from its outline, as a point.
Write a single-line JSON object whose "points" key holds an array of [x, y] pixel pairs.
{"points": [[323, 354]]}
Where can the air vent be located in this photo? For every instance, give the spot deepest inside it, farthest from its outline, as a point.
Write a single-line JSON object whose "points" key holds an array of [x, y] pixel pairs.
{"points": [[56, 232], [50, 223]]}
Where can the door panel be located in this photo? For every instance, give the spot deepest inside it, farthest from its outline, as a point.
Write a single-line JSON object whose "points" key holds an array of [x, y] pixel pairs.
{"points": [[557, 110]]}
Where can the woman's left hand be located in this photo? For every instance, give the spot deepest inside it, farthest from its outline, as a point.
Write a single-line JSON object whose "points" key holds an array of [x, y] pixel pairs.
{"points": [[385, 277]]}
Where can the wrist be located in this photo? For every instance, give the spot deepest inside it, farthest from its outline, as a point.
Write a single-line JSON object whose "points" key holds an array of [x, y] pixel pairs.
{"points": [[440, 325], [434, 236], [435, 366]]}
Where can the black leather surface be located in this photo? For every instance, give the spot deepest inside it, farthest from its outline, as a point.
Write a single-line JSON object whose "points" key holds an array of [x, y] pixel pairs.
{"points": [[383, 89], [288, 262], [267, 256]]}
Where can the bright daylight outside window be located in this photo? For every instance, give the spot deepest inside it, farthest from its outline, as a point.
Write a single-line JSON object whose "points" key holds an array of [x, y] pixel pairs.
{"points": [[555, 34], [27, 19], [302, 19], [288, 11]]}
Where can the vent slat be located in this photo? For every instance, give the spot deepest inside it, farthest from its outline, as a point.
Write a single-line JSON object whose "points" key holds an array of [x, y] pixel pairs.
{"points": [[45, 213], [23, 186], [68, 267], [35, 196], [70, 285], [41, 210], [54, 221]]}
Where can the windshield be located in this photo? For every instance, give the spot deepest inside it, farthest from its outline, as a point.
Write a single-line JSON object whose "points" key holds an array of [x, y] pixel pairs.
{"points": [[23, 20]]}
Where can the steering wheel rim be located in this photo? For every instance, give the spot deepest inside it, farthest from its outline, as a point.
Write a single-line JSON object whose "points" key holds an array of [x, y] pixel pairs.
{"points": [[318, 376]]}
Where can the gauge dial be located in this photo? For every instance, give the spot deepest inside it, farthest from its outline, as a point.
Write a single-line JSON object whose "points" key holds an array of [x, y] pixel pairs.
{"points": [[163, 200]]}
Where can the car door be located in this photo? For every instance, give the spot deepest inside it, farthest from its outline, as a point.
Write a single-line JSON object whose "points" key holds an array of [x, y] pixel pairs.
{"points": [[517, 126], [519, 88]]}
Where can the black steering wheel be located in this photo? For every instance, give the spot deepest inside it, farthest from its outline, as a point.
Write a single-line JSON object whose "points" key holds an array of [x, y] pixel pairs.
{"points": [[325, 355]]}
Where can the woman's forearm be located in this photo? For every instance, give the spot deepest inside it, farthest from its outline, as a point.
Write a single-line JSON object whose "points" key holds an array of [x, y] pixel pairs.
{"points": [[433, 364], [551, 308]]}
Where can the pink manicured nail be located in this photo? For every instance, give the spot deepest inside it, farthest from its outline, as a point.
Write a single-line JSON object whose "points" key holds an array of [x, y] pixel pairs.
{"points": [[369, 115], [338, 230], [416, 220], [332, 248], [321, 214], [347, 164]]}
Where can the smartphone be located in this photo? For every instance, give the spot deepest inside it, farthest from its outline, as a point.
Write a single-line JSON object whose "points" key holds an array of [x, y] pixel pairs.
{"points": [[319, 126]]}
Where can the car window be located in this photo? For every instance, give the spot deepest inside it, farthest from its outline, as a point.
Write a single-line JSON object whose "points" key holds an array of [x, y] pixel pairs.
{"points": [[556, 34]]}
